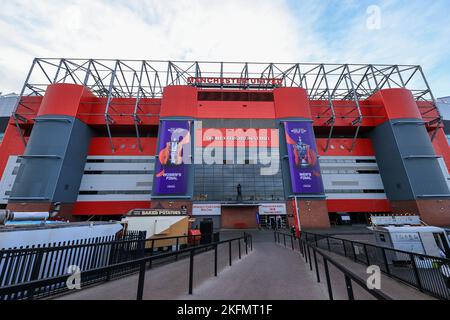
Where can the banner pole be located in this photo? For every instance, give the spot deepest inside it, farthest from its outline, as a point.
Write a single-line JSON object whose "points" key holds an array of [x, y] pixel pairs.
{"points": [[297, 213]]}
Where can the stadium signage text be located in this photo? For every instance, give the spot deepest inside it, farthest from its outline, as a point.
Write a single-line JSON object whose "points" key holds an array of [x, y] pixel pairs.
{"points": [[157, 212], [234, 81]]}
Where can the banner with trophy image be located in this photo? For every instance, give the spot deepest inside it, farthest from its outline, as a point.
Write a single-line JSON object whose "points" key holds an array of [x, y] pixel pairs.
{"points": [[174, 147], [303, 159]]}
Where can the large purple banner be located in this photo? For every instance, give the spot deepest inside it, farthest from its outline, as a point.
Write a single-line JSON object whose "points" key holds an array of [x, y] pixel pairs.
{"points": [[174, 147], [303, 159]]}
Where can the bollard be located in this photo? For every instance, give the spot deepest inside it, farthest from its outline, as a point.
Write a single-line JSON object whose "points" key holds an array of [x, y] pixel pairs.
{"points": [[215, 260], [229, 253], [176, 256], [140, 292], [239, 244], [191, 270], [327, 274]]}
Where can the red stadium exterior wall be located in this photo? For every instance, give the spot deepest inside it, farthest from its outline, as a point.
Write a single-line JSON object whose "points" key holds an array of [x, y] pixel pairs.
{"points": [[183, 101]]}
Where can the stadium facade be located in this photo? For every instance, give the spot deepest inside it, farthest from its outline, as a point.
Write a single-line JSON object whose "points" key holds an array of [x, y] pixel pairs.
{"points": [[240, 143]]}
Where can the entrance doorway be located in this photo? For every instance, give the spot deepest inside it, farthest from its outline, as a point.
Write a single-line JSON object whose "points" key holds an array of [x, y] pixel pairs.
{"points": [[349, 218], [273, 221]]}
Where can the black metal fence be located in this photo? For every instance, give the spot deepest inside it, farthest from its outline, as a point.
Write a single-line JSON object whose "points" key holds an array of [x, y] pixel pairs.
{"points": [[47, 286], [429, 274], [31, 263], [309, 252]]}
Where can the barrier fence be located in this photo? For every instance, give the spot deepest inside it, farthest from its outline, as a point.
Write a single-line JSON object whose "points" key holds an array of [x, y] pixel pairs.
{"points": [[427, 273], [310, 252], [48, 284]]}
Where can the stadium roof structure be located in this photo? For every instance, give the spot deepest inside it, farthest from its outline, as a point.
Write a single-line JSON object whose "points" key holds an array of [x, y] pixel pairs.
{"points": [[109, 78]]}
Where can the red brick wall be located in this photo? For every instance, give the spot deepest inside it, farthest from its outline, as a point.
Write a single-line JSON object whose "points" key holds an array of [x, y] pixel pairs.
{"points": [[239, 217], [313, 214], [434, 212], [171, 205]]}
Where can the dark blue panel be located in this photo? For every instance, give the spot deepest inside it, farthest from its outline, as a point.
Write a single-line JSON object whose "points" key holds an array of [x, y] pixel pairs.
{"points": [[53, 162], [407, 162]]}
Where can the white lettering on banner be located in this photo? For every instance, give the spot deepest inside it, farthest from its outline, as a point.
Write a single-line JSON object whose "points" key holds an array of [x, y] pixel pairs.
{"points": [[206, 209], [272, 209]]}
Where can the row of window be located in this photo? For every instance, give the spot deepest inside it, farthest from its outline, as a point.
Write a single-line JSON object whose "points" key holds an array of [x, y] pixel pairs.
{"points": [[348, 160], [120, 172], [120, 160], [355, 191], [115, 192], [348, 171]]}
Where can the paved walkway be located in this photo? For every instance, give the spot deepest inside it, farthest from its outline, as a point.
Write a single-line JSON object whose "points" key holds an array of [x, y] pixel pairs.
{"points": [[394, 289], [268, 272]]}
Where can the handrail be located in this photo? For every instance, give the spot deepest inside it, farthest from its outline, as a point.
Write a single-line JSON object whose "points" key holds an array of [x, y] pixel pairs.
{"points": [[428, 274], [102, 271], [348, 273], [377, 246], [74, 246], [305, 247]]}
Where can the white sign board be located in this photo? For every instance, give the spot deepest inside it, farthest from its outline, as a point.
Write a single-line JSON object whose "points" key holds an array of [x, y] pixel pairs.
{"points": [[272, 209], [207, 209], [395, 220]]}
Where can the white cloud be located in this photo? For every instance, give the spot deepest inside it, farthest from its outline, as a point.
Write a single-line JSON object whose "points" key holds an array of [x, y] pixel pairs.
{"points": [[253, 30], [209, 30]]}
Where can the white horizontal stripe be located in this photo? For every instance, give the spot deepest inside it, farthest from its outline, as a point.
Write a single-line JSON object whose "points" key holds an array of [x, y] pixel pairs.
{"points": [[356, 196], [348, 157], [91, 166], [362, 181], [114, 197], [120, 157], [104, 182]]}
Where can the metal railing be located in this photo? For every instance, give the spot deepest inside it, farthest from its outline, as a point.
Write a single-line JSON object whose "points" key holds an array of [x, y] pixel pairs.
{"points": [[48, 286], [305, 248], [429, 274], [20, 265]]}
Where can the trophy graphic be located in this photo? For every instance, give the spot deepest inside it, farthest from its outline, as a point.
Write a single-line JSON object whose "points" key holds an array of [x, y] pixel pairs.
{"points": [[174, 151], [302, 150]]}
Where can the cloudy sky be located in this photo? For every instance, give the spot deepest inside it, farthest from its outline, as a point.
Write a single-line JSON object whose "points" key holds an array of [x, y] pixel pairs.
{"points": [[344, 31]]}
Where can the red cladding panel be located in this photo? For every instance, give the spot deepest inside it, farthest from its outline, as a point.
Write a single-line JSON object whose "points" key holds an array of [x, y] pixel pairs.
{"points": [[123, 146], [342, 147], [236, 110], [441, 146], [63, 99], [107, 208], [179, 101], [363, 205], [398, 103], [11, 145], [291, 103]]}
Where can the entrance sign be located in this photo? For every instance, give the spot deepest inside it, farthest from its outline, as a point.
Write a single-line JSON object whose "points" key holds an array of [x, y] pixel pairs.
{"points": [[272, 209], [174, 147], [207, 209], [156, 212], [276, 82], [303, 160]]}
